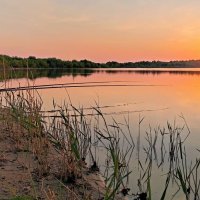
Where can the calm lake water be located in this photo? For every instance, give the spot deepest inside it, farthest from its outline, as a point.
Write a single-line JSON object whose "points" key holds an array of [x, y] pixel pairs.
{"points": [[158, 95]]}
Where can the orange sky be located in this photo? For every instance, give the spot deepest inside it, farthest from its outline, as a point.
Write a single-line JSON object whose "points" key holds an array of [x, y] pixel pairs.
{"points": [[128, 30]]}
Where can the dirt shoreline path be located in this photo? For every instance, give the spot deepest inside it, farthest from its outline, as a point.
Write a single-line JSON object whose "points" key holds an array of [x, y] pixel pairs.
{"points": [[18, 178]]}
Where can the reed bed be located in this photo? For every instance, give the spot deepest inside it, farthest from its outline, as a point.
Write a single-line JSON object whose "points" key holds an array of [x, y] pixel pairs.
{"points": [[67, 145], [64, 145], [75, 140]]}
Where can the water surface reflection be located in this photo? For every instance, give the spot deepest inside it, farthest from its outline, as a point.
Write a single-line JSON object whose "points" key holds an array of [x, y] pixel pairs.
{"points": [[176, 92]]}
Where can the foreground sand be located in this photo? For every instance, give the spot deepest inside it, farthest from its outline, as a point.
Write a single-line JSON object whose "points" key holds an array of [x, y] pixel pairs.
{"points": [[19, 178]]}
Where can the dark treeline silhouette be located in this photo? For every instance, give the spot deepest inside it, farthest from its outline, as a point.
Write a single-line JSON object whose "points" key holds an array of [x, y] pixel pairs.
{"points": [[33, 62]]}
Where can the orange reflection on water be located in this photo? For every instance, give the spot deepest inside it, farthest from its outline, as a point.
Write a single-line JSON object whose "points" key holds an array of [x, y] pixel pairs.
{"points": [[173, 92]]}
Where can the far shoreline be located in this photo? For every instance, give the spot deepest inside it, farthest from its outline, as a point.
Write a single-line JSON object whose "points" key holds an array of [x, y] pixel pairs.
{"points": [[55, 63]]}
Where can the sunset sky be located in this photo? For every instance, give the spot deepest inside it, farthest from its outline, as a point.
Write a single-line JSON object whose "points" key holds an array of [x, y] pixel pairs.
{"points": [[101, 30]]}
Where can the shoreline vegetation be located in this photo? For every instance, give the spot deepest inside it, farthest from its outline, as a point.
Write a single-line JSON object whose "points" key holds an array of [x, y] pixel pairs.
{"points": [[16, 68], [28, 173], [40, 161], [55, 159], [53, 63]]}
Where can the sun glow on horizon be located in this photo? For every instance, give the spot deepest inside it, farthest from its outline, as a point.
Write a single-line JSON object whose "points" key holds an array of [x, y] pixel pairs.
{"points": [[101, 31]]}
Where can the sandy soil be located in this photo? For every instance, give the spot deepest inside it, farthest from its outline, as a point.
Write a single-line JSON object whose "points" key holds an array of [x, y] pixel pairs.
{"points": [[18, 178]]}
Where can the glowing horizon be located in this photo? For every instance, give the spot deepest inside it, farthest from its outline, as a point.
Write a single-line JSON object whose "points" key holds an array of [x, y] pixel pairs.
{"points": [[101, 31]]}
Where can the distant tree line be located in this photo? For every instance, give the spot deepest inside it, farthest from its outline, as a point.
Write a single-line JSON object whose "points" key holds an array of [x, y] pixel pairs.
{"points": [[33, 62]]}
